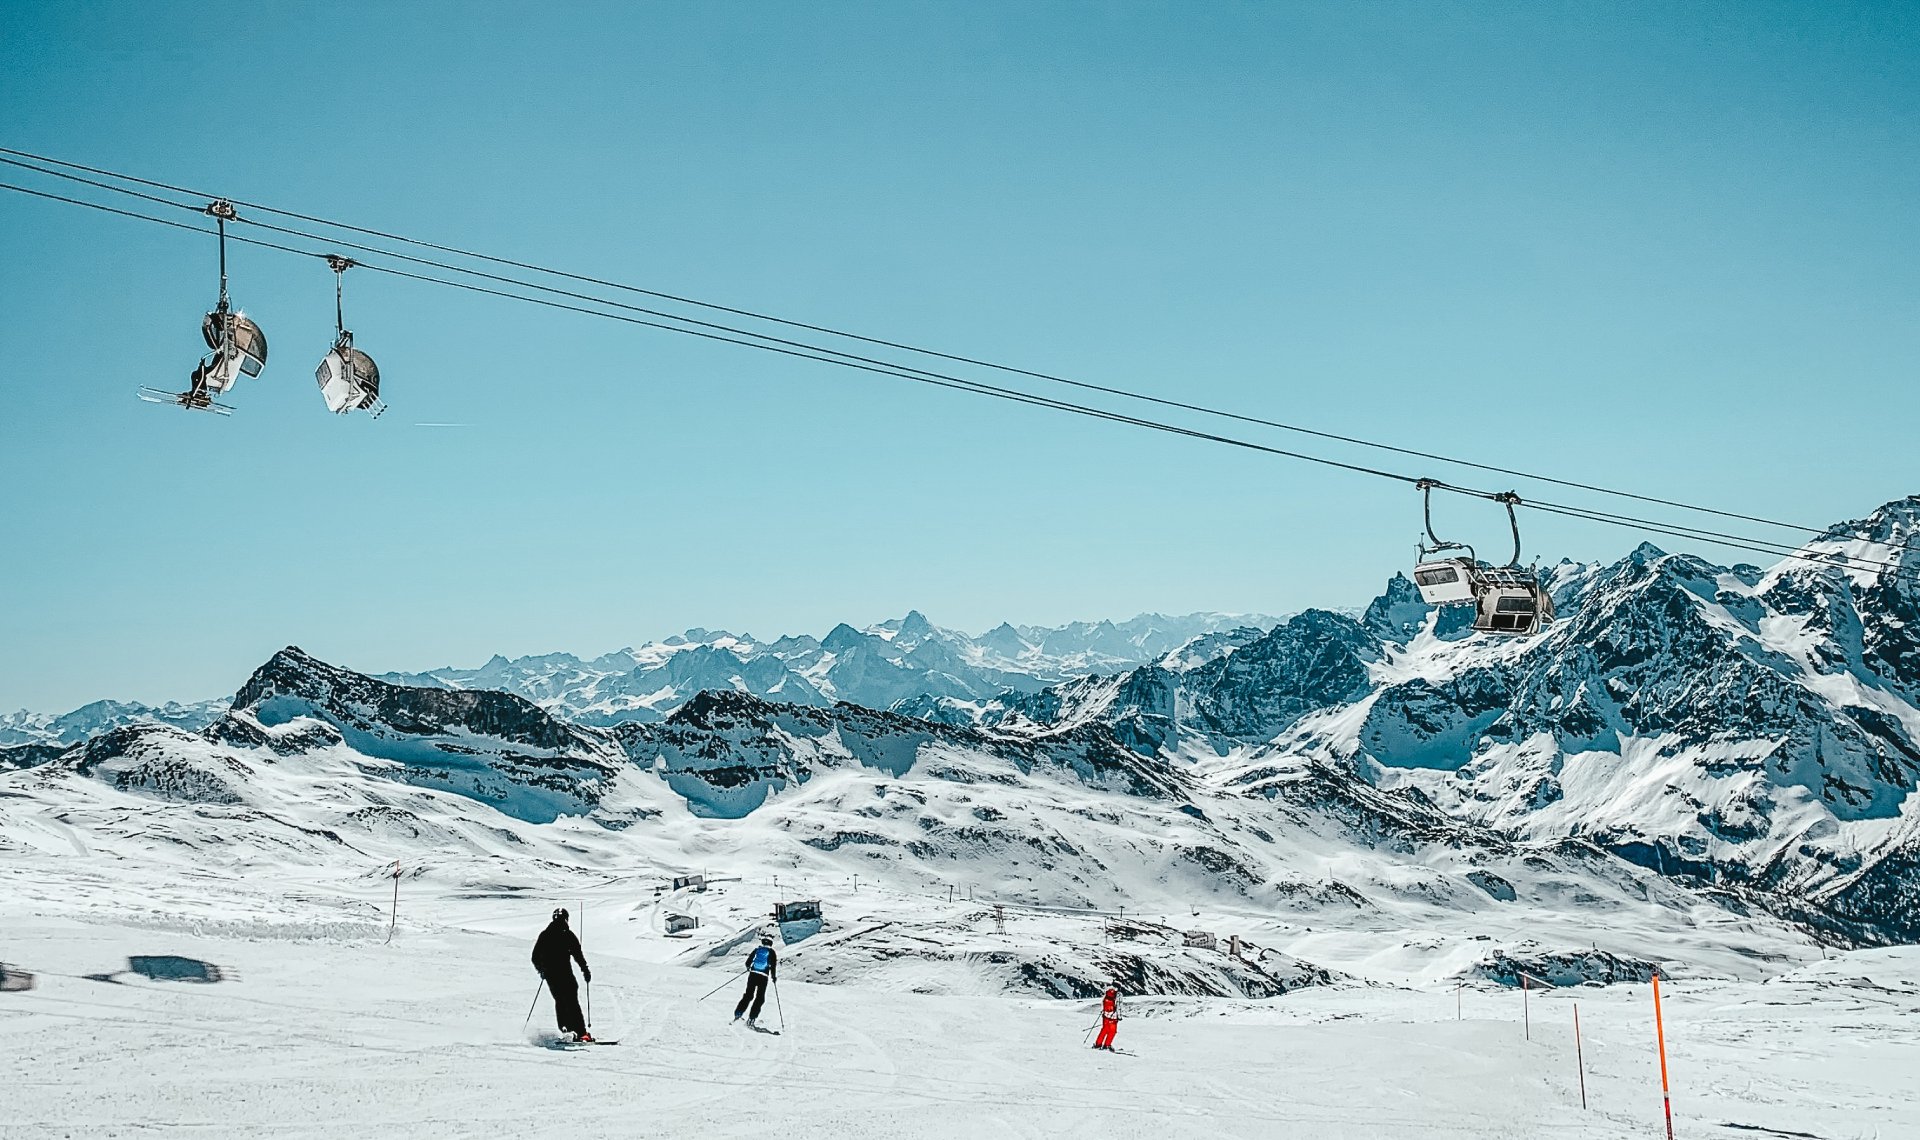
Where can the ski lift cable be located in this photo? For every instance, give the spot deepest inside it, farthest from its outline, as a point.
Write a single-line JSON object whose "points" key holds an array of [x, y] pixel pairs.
{"points": [[1703, 535], [1677, 529], [894, 368], [1759, 546], [904, 347], [1756, 546], [801, 351], [485, 276], [804, 349]]}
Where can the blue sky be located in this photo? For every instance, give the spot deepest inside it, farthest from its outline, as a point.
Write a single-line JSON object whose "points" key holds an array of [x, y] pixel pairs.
{"points": [[1667, 248]]}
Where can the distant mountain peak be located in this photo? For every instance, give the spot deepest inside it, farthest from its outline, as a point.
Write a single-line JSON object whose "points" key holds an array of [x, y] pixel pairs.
{"points": [[841, 638]]}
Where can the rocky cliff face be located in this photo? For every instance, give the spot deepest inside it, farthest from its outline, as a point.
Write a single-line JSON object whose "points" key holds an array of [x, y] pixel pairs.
{"points": [[726, 752], [494, 746]]}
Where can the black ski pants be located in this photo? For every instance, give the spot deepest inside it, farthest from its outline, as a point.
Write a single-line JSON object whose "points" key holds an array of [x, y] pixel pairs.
{"points": [[756, 994], [566, 1002]]}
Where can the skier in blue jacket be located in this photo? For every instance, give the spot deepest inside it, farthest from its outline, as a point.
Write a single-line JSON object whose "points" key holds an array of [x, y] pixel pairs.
{"points": [[763, 966]]}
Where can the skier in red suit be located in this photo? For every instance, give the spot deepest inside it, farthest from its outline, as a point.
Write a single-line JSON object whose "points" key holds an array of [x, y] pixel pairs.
{"points": [[1109, 1020]]}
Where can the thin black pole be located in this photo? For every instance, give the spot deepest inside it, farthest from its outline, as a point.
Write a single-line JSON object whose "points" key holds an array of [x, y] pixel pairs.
{"points": [[537, 990], [1579, 1056], [395, 923], [723, 985]]}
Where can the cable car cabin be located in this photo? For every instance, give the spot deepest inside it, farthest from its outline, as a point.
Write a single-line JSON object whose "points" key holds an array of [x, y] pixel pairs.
{"points": [[349, 379], [1511, 602], [239, 347], [1446, 581]]}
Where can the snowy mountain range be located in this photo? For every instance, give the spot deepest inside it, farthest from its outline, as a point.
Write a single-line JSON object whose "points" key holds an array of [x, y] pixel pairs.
{"points": [[876, 667], [1733, 724], [1702, 765], [25, 727], [319, 773]]}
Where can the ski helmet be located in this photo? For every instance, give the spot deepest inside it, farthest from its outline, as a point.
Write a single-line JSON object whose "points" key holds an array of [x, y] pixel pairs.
{"points": [[559, 914], [766, 940]]}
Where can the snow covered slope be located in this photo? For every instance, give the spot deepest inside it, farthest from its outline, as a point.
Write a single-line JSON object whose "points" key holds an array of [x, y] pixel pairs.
{"points": [[313, 1034]]}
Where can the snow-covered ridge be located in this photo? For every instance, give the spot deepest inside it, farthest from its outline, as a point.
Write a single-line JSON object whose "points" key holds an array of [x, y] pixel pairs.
{"points": [[1727, 723], [1745, 737], [24, 727], [905, 659], [319, 772], [898, 660]]}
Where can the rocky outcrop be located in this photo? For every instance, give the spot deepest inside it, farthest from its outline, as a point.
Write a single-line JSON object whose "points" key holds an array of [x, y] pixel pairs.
{"points": [[727, 751], [494, 746]]}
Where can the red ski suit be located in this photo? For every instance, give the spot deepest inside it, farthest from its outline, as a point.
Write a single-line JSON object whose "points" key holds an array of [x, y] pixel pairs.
{"points": [[1109, 1022]]}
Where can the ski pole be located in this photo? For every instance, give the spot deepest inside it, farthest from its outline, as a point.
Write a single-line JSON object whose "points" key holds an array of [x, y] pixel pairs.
{"points": [[589, 1003], [537, 991], [395, 923], [777, 1008], [721, 986]]}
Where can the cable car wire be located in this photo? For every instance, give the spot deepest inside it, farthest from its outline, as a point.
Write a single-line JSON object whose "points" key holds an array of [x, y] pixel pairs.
{"points": [[827, 356], [897, 345], [956, 383]]}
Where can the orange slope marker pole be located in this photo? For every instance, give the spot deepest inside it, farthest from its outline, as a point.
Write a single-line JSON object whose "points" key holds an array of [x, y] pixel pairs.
{"points": [[1660, 1035]]}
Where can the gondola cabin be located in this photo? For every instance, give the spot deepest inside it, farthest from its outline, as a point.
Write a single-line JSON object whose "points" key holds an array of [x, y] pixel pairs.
{"points": [[349, 379], [1446, 581], [1511, 602], [239, 348]]}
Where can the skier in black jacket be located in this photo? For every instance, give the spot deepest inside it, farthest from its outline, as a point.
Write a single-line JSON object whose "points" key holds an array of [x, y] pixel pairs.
{"points": [[763, 966], [551, 954]]}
